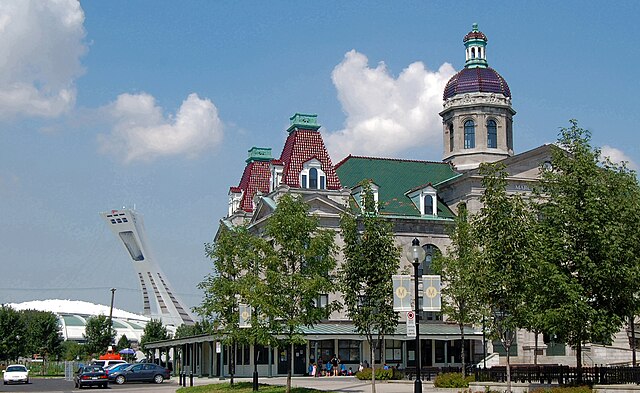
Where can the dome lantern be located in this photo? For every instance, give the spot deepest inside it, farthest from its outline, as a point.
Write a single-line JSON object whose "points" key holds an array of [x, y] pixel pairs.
{"points": [[475, 43]]}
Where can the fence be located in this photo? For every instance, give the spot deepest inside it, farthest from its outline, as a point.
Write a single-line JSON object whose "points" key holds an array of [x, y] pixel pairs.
{"points": [[543, 374]]}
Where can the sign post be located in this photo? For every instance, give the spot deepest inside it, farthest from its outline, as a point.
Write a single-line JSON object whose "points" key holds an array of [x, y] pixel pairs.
{"points": [[411, 324]]}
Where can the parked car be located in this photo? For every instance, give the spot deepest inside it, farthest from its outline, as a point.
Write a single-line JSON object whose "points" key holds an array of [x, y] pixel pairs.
{"points": [[115, 367], [140, 372], [15, 373], [107, 363], [91, 375]]}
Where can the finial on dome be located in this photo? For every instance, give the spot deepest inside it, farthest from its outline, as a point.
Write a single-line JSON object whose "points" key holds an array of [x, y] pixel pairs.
{"points": [[474, 27]]}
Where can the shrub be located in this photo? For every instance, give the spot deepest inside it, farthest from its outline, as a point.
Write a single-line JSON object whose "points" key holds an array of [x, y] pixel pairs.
{"points": [[452, 380], [567, 389], [381, 374]]}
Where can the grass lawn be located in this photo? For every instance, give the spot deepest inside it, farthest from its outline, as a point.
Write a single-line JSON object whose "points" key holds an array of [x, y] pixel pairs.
{"points": [[243, 387]]}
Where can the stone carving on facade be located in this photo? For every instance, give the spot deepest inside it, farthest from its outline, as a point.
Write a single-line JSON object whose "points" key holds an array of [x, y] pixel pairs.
{"points": [[477, 99]]}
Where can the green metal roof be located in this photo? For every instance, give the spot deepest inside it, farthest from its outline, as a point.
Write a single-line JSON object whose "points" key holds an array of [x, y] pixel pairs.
{"points": [[394, 178], [72, 320]]}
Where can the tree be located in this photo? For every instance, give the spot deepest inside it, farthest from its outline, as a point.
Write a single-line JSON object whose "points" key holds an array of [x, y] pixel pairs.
{"points": [[371, 258], [200, 327], [232, 253], [297, 270], [43, 334], [589, 216], [123, 343], [462, 276], [98, 335], [154, 330], [505, 227], [12, 333], [72, 350]]}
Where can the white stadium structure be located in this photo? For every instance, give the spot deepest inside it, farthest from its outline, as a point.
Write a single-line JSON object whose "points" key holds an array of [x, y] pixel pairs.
{"points": [[73, 315]]}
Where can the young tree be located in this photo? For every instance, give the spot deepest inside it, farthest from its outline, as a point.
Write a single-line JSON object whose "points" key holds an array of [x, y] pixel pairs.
{"points": [[462, 276], [371, 258], [154, 330], [43, 334], [509, 245], [589, 216], [123, 343], [12, 333], [98, 335], [297, 270], [232, 253]]}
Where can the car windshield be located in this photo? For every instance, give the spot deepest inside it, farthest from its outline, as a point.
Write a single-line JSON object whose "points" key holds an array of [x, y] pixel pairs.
{"points": [[17, 369], [92, 369]]}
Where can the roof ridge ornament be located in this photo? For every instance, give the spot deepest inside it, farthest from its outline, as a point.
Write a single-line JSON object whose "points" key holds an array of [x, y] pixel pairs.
{"points": [[303, 121]]}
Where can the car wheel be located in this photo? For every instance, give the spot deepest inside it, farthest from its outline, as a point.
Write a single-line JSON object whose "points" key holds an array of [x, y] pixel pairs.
{"points": [[158, 378], [120, 379]]}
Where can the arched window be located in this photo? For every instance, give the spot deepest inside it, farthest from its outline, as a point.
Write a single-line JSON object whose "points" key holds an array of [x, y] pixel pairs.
{"points": [[451, 142], [430, 251], [428, 204], [469, 134], [313, 178], [492, 134]]}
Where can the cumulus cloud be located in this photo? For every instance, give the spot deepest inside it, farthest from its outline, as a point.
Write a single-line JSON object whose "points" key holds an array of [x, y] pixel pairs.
{"points": [[617, 156], [141, 132], [40, 50], [386, 115]]}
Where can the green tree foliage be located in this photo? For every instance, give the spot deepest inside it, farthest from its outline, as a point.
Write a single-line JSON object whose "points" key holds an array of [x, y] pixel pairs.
{"points": [[98, 335], [12, 334], [43, 334], [297, 270], [72, 350], [234, 253], [154, 330], [589, 217], [200, 327], [123, 343], [462, 276], [505, 227], [371, 258]]}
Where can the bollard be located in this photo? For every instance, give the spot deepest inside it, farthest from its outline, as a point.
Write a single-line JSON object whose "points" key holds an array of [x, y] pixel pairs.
{"points": [[180, 375], [191, 378]]}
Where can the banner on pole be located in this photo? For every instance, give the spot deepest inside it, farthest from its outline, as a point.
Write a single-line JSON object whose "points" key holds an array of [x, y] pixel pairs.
{"points": [[431, 298], [402, 295], [245, 316]]}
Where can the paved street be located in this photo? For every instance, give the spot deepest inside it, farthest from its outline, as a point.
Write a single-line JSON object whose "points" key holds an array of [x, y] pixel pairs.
{"points": [[59, 385]]}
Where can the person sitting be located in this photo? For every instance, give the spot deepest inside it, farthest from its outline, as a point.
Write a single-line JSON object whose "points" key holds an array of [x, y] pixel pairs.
{"points": [[385, 367], [343, 369], [329, 369], [350, 372]]}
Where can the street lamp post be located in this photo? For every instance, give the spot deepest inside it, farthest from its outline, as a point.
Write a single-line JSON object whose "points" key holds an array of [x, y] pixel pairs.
{"points": [[416, 255], [113, 291]]}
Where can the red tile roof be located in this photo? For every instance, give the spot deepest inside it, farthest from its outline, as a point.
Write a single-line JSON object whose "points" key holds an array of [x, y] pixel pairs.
{"points": [[301, 146], [256, 177]]}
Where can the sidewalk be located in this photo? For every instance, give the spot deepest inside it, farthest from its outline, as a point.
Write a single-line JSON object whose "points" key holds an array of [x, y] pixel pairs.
{"points": [[337, 384]]}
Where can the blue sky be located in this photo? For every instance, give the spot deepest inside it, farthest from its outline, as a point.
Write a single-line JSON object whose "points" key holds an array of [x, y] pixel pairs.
{"points": [[111, 104]]}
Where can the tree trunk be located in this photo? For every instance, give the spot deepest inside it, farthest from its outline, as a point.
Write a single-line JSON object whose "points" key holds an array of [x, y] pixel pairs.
{"points": [[508, 369], [232, 363], [464, 371], [535, 349], [579, 361], [373, 367], [289, 363]]}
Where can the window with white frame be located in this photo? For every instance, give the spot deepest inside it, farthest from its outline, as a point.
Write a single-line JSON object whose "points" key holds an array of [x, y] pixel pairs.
{"points": [[276, 176], [359, 194], [234, 202], [312, 176], [425, 199]]}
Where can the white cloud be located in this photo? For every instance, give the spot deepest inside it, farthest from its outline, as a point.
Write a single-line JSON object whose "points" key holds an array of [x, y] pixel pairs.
{"points": [[386, 115], [142, 133], [40, 50], [617, 156]]}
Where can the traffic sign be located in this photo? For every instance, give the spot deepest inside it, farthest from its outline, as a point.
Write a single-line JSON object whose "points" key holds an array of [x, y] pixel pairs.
{"points": [[411, 324]]}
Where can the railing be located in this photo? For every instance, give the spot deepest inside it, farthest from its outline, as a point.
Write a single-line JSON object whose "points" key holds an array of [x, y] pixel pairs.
{"points": [[562, 375]]}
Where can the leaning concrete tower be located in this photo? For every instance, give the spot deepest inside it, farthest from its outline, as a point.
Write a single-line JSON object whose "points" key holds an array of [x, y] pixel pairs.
{"points": [[477, 116], [158, 299]]}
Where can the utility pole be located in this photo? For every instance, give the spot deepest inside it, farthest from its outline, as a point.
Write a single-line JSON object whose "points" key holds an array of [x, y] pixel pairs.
{"points": [[113, 292]]}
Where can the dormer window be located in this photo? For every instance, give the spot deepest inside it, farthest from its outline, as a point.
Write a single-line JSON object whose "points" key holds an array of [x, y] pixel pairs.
{"points": [[425, 200], [276, 176], [235, 197], [358, 194], [312, 176]]}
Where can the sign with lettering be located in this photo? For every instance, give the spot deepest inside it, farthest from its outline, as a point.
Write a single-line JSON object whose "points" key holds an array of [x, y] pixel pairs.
{"points": [[431, 299], [402, 294], [411, 324], [245, 316]]}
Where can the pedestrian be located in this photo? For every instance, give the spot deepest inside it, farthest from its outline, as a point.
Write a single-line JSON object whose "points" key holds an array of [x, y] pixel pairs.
{"points": [[335, 362]]}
